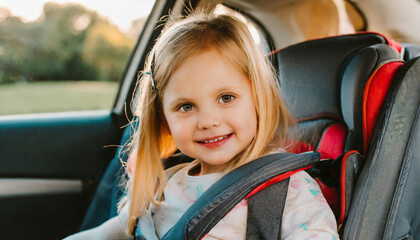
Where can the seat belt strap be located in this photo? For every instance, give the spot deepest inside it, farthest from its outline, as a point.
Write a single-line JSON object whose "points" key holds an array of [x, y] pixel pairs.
{"points": [[222, 196], [265, 212]]}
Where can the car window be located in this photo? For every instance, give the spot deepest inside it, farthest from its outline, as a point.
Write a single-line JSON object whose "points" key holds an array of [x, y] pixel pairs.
{"points": [[63, 55]]}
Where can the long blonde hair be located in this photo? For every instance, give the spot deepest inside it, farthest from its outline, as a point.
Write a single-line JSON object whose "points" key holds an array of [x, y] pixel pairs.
{"points": [[179, 40]]}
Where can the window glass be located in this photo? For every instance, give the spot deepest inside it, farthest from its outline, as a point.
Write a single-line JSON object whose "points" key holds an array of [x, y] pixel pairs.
{"points": [[65, 55]]}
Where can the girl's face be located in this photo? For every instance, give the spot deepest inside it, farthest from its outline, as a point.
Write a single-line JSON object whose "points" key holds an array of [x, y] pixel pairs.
{"points": [[209, 108]]}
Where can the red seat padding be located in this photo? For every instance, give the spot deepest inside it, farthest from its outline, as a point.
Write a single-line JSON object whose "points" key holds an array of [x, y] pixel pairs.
{"points": [[374, 95]]}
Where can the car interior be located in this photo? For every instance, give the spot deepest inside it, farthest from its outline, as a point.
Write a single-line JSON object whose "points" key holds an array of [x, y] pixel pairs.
{"points": [[354, 92]]}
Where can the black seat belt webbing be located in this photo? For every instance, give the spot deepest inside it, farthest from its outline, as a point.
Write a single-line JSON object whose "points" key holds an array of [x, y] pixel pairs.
{"points": [[265, 211]]}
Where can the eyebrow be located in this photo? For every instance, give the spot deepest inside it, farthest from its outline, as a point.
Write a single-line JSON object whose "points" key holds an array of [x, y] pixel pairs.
{"points": [[173, 104]]}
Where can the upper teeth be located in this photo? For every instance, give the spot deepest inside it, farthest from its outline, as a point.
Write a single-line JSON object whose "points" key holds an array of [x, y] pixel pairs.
{"points": [[215, 140]]}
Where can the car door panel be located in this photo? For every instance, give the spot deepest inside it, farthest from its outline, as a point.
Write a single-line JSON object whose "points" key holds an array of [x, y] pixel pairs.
{"points": [[49, 167]]}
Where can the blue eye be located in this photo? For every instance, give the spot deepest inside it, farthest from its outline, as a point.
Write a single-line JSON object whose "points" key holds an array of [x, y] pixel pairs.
{"points": [[226, 98], [186, 107]]}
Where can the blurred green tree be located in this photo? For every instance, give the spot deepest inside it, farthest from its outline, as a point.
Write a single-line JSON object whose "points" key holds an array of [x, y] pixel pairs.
{"points": [[107, 49], [68, 42]]}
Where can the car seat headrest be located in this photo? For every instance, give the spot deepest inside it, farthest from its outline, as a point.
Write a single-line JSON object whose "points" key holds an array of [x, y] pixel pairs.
{"points": [[310, 73], [365, 83]]}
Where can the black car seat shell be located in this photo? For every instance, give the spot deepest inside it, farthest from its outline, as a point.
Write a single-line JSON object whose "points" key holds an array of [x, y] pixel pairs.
{"points": [[403, 218], [385, 203]]}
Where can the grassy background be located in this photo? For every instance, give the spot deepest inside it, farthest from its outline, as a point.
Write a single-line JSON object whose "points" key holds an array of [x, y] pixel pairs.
{"points": [[43, 97]]}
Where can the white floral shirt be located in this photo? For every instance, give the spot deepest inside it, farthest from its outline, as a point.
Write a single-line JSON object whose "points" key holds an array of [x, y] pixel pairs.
{"points": [[306, 213]]}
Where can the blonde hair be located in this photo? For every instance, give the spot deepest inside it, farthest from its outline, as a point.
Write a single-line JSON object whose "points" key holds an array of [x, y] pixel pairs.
{"points": [[178, 41]]}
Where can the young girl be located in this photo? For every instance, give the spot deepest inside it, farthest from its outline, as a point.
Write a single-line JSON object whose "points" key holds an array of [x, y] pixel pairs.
{"points": [[208, 91]]}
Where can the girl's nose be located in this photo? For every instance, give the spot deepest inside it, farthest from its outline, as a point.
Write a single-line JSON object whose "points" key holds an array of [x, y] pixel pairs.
{"points": [[208, 119]]}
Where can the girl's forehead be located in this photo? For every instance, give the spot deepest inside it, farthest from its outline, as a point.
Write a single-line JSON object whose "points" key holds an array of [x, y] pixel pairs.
{"points": [[206, 72], [209, 58], [178, 54]]}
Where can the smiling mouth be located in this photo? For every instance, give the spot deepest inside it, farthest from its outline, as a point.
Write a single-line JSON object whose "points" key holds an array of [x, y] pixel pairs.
{"points": [[216, 139]]}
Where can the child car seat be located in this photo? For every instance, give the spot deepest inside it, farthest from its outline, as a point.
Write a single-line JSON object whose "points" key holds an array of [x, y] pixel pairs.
{"points": [[373, 80], [312, 76], [335, 87]]}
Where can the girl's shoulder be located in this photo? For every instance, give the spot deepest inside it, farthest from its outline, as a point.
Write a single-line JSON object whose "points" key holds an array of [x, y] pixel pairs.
{"points": [[302, 181], [306, 212], [303, 176]]}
